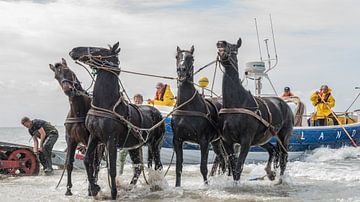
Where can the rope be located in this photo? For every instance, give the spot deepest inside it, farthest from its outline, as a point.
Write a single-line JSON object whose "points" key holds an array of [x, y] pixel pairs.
{"points": [[132, 126], [143, 171], [212, 62], [332, 112], [165, 77], [206, 89], [172, 157], [91, 76], [62, 175], [213, 81], [352, 103], [149, 75]]}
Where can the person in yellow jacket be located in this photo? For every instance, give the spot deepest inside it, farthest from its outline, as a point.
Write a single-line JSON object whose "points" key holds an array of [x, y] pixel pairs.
{"points": [[323, 110], [163, 96]]}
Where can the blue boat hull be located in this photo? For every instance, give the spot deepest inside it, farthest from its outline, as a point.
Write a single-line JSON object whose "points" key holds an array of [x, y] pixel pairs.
{"points": [[302, 139]]}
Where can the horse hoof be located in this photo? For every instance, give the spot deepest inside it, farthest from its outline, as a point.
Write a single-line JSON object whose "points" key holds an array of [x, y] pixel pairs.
{"points": [[94, 190], [271, 175], [68, 193], [206, 182], [113, 194], [155, 188]]}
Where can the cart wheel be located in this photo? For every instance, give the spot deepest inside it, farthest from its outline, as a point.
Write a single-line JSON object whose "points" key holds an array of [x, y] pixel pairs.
{"points": [[30, 164]]}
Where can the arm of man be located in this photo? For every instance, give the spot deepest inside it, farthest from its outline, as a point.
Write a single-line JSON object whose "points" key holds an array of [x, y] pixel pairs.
{"points": [[35, 144], [42, 138], [331, 101], [314, 98]]}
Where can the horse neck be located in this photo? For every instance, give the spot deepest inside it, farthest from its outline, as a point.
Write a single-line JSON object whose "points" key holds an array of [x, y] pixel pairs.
{"points": [[79, 106], [234, 94], [107, 91], [185, 92]]}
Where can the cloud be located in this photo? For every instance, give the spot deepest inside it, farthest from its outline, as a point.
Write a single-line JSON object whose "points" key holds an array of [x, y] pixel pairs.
{"points": [[316, 42]]}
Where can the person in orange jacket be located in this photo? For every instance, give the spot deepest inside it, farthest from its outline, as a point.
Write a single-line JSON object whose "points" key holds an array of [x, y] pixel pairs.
{"points": [[287, 93], [323, 105], [163, 96]]}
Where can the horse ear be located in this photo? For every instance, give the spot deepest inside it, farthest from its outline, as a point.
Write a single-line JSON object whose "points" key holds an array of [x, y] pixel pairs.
{"points": [[239, 42], [63, 61], [178, 49], [52, 67], [118, 50], [192, 49], [115, 46]]}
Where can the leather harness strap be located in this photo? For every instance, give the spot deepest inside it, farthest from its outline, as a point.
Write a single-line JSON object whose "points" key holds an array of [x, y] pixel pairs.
{"points": [[103, 114], [267, 108], [70, 120], [109, 115], [267, 123], [200, 114], [244, 111]]}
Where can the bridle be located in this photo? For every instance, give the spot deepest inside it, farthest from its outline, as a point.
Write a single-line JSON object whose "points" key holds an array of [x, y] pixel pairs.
{"points": [[98, 62], [75, 84], [227, 53], [182, 66]]}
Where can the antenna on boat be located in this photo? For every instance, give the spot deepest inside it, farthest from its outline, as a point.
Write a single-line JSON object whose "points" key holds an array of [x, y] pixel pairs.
{"points": [[257, 70], [356, 88], [257, 34], [273, 38]]}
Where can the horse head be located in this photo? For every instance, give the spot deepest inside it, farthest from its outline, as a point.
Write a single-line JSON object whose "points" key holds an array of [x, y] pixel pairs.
{"points": [[98, 58], [228, 52], [66, 78], [184, 64]]}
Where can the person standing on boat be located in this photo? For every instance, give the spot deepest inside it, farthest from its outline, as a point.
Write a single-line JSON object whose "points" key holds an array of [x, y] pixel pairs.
{"points": [[287, 93], [48, 135], [163, 96], [323, 101]]}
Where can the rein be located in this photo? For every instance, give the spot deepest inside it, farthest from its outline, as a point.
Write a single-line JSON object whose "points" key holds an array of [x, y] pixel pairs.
{"points": [[113, 114]]}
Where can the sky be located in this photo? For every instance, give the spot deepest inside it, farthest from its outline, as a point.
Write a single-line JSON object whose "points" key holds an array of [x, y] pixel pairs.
{"points": [[317, 43]]}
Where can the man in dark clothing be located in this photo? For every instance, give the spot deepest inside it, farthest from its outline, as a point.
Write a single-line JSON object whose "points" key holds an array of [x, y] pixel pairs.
{"points": [[47, 134]]}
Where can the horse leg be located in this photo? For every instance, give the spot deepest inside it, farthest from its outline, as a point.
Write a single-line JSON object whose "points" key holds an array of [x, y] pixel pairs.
{"points": [[219, 159], [112, 158], [89, 165], [270, 148], [71, 147], [98, 155], [137, 159], [156, 147], [282, 144], [241, 160], [150, 155], [229, 148], [204, 147], [178, 147]]}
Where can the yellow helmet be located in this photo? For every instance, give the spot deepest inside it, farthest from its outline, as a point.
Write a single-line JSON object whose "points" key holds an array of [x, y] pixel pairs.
{"points": [[203, 82]]}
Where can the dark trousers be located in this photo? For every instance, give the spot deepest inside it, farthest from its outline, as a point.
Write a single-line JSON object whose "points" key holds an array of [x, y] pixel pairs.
{"points": [[45, 155], [322, 122]]}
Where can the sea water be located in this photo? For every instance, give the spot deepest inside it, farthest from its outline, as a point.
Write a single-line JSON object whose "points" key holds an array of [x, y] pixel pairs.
{"points": [[322, 175]]}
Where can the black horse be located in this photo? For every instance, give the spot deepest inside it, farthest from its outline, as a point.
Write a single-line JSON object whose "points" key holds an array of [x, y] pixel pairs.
{"points": [[113, 121], [197, 120], [76, 132], [249, 120]]}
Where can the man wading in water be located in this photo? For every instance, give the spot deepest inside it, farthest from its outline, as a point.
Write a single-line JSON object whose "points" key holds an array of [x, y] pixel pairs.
{"points": [[47, 134]]}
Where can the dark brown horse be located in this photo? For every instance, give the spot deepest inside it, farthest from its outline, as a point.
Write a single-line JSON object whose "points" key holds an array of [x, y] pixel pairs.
{"points": [[114, 121], [76, 132], [197, 120], [251, 121]]}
